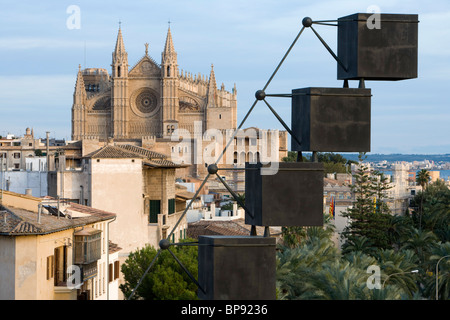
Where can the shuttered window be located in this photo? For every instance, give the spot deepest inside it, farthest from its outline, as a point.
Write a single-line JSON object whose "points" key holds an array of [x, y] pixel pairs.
{"points": [[171, 206], [50, 267], [155, 208], [116, 269]]}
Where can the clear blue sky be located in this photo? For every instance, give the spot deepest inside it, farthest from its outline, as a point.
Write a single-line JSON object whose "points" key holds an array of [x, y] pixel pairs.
{"points": [[244, 40]]}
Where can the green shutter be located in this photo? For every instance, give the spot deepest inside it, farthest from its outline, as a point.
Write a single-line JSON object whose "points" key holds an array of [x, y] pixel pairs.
{"points": [[155, 208], [171, 206]]}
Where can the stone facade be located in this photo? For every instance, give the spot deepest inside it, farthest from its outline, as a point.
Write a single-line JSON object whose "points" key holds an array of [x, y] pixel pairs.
{"points": [[149, 100]]}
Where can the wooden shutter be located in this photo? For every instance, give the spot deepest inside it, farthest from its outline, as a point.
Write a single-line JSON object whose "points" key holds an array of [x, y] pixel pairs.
{"points": [[116, 269], [171, 206], [50, 267], [110, 272], [155, 208]]}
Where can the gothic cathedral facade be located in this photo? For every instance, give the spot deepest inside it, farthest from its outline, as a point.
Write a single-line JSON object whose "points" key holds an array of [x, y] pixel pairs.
{"points": [[150, 100]]}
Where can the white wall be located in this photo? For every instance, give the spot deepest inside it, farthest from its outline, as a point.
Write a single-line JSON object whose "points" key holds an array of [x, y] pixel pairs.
{"points": [[19, 181]]}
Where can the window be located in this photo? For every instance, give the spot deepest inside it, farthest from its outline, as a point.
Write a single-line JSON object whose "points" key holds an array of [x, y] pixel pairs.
{"points": [[60, 265], [116, 269], [87, 245], [220, 116], [50, 266], [110, 273], [171, 206], [16, 155], [155, 209]]}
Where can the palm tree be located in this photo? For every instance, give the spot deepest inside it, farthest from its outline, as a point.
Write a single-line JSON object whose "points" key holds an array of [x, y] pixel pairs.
{"points": [[422, 178], [422, 242], [399, 263], [444, 272]]}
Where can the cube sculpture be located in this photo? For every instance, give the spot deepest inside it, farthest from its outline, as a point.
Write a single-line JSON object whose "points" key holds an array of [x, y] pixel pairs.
{"points": [[331, 119], [291, 197], [378, 47], [236, 268]]}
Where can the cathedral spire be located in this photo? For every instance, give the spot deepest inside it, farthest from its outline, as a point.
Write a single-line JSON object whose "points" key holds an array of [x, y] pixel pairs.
{"points": [[169, 49], [212, 89], [120, 47], [119, 58], [80, 89]]}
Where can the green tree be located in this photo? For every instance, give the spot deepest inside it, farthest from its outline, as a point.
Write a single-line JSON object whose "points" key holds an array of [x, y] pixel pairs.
{"points": [[166, 280], [292, 157], [423, 178], [368, 218]]}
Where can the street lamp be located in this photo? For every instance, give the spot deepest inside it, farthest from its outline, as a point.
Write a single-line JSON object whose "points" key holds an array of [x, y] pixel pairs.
{"points": [[437, 273], [412, 271]]}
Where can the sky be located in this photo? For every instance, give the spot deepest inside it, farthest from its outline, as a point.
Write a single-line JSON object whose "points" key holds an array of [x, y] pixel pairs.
{"points": [[43, 42]]}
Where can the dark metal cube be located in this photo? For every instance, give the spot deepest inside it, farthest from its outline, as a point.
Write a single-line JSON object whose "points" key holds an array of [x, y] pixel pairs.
{"points": [[291, 197], [236, 268], [331, 119], [387, 53]]}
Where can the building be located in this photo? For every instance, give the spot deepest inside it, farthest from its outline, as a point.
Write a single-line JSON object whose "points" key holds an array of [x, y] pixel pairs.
{"points": [[55, 251], [135, 183], [145, 105], [149, 99]]}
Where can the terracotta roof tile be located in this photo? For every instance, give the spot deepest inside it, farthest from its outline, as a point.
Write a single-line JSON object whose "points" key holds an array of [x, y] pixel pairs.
{"points": [[16, 221]]}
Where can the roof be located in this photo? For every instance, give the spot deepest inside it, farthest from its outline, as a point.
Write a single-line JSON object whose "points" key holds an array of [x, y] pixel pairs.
{"points": [[211, 227], [16, 221], [181, 192], [113, 247], [113, 152], [150, 158]]}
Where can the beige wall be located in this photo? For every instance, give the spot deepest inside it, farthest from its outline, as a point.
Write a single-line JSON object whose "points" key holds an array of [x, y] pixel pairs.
{"points": [[117, 186], [20, 201]]}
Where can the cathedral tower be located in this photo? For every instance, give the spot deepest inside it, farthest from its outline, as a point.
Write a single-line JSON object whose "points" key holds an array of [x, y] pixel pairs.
{"points": [[119, 101], [169, 87], [79, 107]]}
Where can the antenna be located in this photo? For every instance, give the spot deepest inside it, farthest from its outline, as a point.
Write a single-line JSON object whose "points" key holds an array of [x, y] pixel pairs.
{"points": [[84, 54]]}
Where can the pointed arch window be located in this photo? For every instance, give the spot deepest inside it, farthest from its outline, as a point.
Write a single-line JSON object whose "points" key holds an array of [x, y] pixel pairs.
{"points": [[168, 71], [118, 71]]}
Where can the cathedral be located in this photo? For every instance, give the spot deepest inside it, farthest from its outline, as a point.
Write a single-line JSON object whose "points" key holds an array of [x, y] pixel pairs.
{"points": [[149, 100]]}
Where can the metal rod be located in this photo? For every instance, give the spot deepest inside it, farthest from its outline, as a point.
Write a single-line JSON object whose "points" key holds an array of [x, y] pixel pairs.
{"points": [[320, 21], [235, 196], [282, 122], [145, 273], [325, 24], [187, 271], [329, 49], [264, 88], [284, 58], [236, 131], [188, 206]]}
